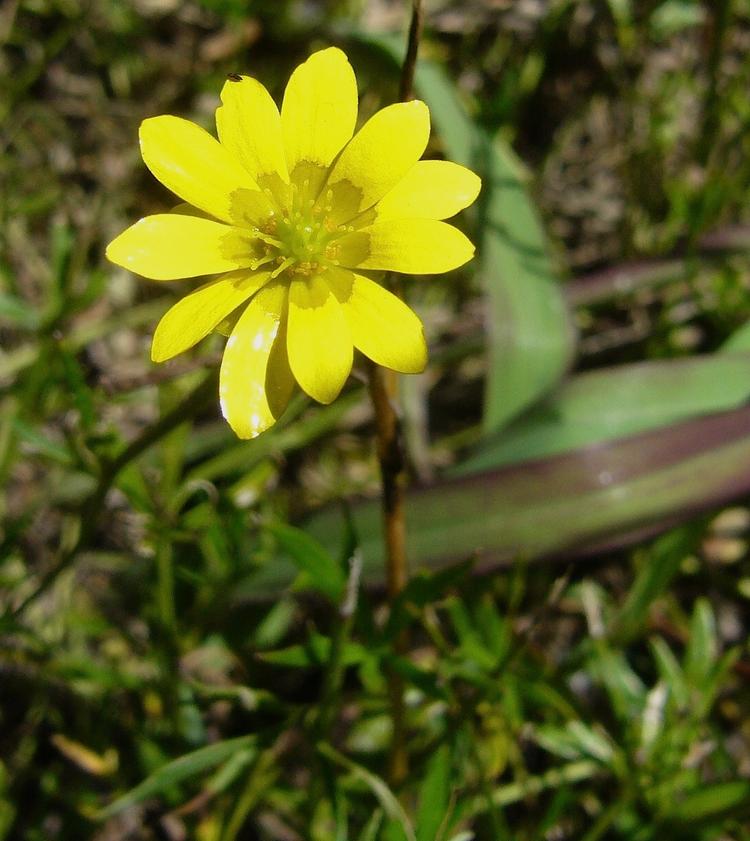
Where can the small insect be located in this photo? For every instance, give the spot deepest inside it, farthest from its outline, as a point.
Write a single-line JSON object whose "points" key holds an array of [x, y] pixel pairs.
{"points": [[234, 77]]}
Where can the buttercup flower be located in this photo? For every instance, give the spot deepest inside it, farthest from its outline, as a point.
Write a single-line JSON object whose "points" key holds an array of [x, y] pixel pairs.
{"points": [[294, 212]]}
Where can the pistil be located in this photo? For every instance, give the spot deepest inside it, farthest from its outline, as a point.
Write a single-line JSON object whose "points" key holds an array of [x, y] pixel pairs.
{"points": [[300, 239]]}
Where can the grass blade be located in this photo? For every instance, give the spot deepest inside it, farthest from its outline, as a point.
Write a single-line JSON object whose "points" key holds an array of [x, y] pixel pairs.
{"points": [[177, 771]]}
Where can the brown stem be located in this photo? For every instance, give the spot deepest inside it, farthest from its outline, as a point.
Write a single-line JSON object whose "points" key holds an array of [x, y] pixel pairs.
{"points": [[406, 90], [382, 384]]}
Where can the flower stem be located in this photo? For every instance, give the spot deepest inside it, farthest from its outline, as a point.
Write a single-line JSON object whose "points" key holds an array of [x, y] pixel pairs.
{"points": [[382, 385], [406, 89]]}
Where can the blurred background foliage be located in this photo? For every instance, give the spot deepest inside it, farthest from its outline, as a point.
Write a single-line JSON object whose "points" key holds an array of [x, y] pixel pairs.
{"points": [[179, 657]]}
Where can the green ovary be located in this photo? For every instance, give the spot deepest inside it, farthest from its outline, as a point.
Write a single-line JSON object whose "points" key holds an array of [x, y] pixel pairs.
{"points": [[299, 240]]}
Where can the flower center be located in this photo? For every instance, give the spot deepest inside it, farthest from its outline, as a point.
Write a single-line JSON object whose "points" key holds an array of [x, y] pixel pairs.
{"points": [[299, 239]]}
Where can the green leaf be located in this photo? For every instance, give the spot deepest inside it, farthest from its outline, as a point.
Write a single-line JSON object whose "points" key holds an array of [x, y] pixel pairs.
{"points": [[614, 402], [574, 741], [271, 629], [554, 779], [387, 799], [80, 393], [712, 801], [230, 770], [623, 685], [496, 630], [320, 571], [16, 312], [372, 827], [673, 16], [314, 652], [426, 682], [37, 442], [434, 795], [596, 497], [670, 672], [422, 588], [530, 337], [659, 565], [739, 341], [472, 645], [180, 769], [703, 644]]}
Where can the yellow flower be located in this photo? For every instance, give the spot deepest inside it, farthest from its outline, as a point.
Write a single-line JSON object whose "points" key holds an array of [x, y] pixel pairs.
{"points": [[292, 210]]}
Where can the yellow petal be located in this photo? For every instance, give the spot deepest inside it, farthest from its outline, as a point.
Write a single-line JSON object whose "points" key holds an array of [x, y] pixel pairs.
{"points": [[256, 383], [171, 246], [319, 342], [319, 110], [381, 325], [198, 313], [226, 325], [412, 246], [194, 166], [185, 209], [249, 126], [430, 190], [378, 157]]}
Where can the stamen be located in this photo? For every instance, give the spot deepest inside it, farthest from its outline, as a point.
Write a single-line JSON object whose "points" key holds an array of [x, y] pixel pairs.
{"points": [[256, 264], [284, 265], [267, 238]]}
